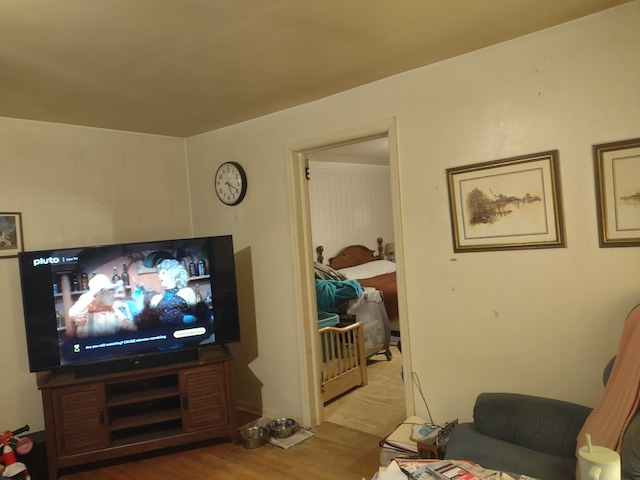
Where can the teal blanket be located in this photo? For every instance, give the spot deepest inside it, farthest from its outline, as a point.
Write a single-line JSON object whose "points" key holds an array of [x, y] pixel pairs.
{"points": [[331, 293]]}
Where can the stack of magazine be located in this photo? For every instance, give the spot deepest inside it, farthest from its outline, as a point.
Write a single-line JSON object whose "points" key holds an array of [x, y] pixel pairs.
{"points": [[401, 440], [428, 469]]}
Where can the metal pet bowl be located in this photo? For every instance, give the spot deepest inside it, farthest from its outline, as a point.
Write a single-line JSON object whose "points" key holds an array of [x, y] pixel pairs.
{"points": [[254, 437], [282, 427]]}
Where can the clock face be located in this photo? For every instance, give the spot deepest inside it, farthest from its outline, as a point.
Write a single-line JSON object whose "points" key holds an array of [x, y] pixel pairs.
{"points": [[231, 183]]}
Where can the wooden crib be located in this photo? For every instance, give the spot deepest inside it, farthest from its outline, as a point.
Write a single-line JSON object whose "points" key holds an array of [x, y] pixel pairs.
{"points": [[344, 364]]}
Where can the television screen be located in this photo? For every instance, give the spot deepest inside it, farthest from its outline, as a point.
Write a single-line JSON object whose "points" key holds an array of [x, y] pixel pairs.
{"points": [[88, 306]]}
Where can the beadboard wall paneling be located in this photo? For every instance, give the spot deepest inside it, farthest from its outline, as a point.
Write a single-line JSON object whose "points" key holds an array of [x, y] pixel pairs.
{"points": [[350, 204]]}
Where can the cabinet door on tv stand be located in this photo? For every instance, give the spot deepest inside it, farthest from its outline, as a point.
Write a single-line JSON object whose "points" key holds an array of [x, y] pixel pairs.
{"points": [[204, 397], [79, 417]]}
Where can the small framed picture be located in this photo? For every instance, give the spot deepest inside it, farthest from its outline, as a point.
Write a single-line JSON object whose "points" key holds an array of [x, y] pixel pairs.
{"points": [[508, 204], [10, 234], [617, 168]]}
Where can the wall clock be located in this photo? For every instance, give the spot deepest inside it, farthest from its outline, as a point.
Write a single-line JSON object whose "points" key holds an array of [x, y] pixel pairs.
{"points": [[231, 183]]}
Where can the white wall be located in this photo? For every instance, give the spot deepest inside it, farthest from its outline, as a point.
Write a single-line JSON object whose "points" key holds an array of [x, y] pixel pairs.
{"points": [[77, 186], [535, 321], [350, 205]]}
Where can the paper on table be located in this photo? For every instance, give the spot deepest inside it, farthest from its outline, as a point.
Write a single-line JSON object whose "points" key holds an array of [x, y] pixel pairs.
{"points": [[416, 467], [413, 464], [392, 472]]}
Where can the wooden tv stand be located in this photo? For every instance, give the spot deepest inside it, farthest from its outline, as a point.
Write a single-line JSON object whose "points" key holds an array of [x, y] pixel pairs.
{"points": [[107, 416]]}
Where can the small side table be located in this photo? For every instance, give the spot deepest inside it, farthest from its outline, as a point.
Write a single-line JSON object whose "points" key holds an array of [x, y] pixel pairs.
{"points": [[430, 450]]}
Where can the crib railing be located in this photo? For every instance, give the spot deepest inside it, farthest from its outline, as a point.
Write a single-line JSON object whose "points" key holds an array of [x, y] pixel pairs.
{"points": [[344, 364]]}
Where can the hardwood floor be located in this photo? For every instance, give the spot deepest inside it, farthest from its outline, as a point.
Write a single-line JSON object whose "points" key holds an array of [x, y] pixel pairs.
{"points": [[344, 447], [333, 452], [377, 408]]}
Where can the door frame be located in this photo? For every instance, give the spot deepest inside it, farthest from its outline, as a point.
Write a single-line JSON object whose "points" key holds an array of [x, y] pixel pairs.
{"points": [[305, 295]]}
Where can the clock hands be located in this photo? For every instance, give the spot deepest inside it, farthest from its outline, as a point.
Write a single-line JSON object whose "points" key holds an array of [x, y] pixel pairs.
{"points": [[231, 186]]}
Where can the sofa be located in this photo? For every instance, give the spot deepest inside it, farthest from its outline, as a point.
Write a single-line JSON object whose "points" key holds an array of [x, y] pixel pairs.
{"points": [[521, 434], [535, 436]]}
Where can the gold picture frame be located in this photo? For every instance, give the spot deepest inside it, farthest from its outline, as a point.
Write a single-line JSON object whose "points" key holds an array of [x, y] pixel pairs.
{"points": [[509, 204], [617, 171], [11, 242]]}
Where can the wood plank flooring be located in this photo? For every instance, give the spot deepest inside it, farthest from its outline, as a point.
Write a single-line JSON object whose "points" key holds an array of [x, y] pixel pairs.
{"points": [[345, 447], [377, 408], [333, 452]]}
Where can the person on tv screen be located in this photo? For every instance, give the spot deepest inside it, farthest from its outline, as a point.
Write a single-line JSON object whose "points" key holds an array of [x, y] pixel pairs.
{"points": [[177, 305], [172, 304], [125, 304], [94, 313]]}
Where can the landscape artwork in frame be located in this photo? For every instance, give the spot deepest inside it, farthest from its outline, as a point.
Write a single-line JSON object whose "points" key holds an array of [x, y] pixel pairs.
{"points": [[617, 167], [508, 204], [10, 234]]}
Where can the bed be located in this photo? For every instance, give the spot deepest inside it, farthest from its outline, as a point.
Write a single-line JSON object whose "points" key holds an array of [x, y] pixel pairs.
{"points": [[369, 308], [370, 269], [348, 301], [353, 326]]}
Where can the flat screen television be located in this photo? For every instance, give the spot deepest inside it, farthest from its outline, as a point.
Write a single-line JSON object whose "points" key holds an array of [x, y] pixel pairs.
{"points": [[101, 309]]}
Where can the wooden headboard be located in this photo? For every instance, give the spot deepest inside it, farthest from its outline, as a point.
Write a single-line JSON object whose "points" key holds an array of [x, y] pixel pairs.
{"points": [[352, 255]]}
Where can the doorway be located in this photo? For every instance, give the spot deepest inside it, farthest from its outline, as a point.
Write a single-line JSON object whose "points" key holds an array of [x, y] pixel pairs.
{"points": [[314, 413], [350, 203]]}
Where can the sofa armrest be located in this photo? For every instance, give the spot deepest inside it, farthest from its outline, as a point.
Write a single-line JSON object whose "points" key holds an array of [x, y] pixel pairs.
{"points": [[542, 424], [465, 443], [630, 451]]}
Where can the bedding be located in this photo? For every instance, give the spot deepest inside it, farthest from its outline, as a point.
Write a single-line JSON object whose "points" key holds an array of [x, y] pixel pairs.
{"points": [[367, 270], [368, 309], [359, 264], [368, 295], [325, 272], [387, 284], [370, 269], [378, 274], [365, 305], [332, 293], [381, 275]]}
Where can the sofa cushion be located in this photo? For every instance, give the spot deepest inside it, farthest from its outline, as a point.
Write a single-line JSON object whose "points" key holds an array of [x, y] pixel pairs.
{"points": [[465, 443], [542, 424]]}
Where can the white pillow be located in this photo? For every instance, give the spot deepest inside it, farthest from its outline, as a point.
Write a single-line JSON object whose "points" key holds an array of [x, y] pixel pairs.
{"points": [[368, 270]]}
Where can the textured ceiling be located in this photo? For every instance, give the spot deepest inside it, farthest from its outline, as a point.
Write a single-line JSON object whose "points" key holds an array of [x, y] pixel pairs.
{"points": [[183, 67]]}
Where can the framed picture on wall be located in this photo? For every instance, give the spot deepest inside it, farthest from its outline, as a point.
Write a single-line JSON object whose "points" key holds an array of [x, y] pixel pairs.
{"points": [[10, 234], [617, 168], [507, 204]]}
